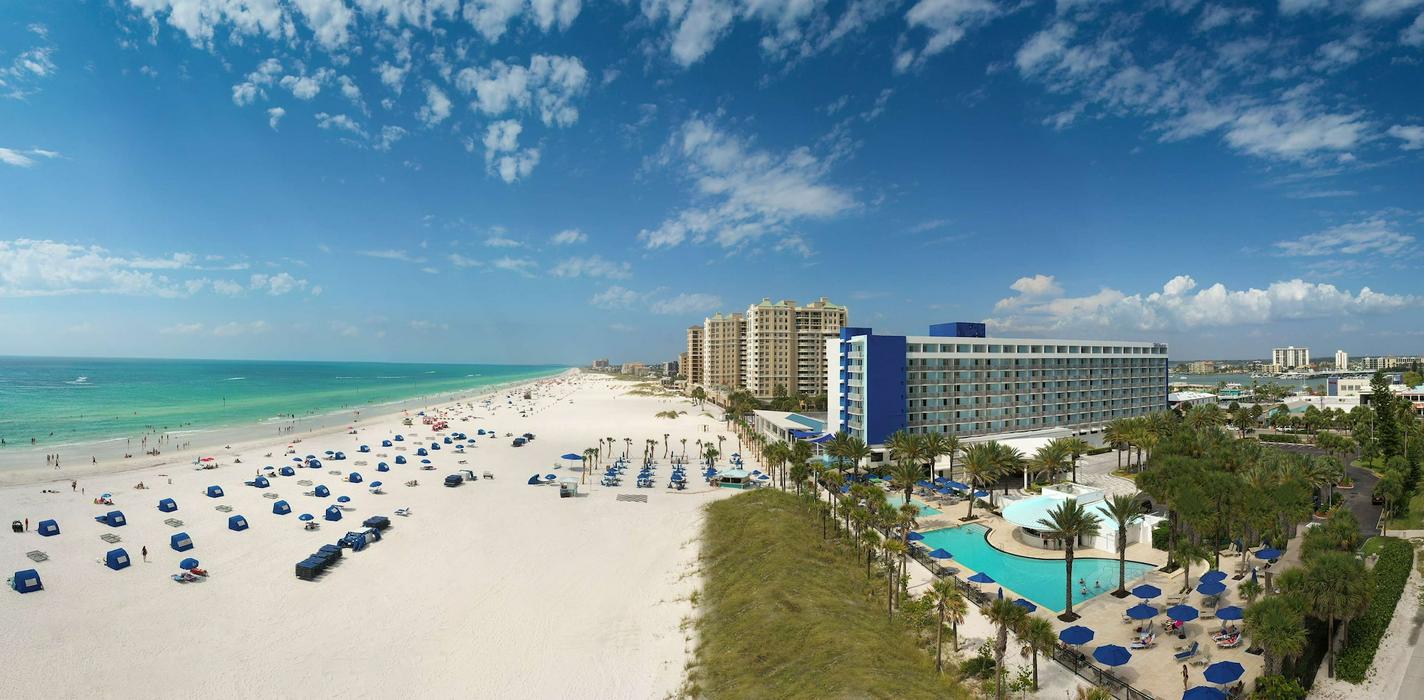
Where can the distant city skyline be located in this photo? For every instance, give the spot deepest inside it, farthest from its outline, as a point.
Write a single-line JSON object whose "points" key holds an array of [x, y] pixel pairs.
{"points": [[460, 181]]}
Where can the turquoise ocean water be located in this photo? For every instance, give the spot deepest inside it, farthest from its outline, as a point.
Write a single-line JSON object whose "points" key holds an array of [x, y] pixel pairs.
{"points": [[90, 400]]}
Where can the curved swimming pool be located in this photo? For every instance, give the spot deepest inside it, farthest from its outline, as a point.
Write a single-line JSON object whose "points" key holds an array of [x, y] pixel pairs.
{"points": [[1039, 580]]}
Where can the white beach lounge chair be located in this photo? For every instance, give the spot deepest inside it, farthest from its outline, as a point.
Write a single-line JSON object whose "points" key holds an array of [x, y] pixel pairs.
{"points": [[405, 512]]}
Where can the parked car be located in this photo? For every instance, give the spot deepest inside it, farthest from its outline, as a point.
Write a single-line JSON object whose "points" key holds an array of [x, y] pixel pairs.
{"points": [[454, 480], [518, 442]]}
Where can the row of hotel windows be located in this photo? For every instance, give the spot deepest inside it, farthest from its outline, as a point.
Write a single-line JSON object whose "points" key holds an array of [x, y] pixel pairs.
{"points": [[1039, 399], [1038, 349], [1049, 409], [1037, 362]]}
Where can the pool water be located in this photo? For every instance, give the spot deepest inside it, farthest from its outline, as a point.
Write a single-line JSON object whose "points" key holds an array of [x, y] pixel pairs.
{"points": [[925, 510], [1039, 580]]}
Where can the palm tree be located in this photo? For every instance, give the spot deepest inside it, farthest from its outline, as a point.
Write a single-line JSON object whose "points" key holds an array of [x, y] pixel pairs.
{"points": [[856, 451], [905, 473], [1116, 435], [1047, 461], [936, 445], [799, 473], [981, 465], [684, 448], [1278, 627], [1036, 634], [665, 444], [1069, 521], [1185, 553], [1003, 614], [1123, 511], [905, 446], [1075, 447], [699, 395], [951, 606], [590, 457], [627, 446], [1007, 460], [1334, 587], [892, 549]]}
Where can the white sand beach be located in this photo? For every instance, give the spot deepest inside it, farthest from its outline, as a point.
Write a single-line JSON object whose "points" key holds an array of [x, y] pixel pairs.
{"points": [[492, 589]]}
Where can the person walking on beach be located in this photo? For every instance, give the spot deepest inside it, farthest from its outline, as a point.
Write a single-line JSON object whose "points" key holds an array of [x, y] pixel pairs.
{"points": [[73, 486], [1184, 677], [145, 558], [27, 524]]}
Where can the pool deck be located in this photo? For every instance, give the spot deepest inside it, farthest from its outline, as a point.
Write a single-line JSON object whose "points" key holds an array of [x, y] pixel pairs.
{"points": [[1154, 670]]}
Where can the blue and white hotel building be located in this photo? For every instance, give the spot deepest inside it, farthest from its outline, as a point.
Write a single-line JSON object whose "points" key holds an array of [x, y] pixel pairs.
{"points": [[959, 382]]}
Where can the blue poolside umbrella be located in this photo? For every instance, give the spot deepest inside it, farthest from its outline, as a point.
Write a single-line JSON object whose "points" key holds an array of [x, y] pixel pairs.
{"points": [[1077, 634], [1146, 591], [1112, 655], [981, 577], [1142, 611], [1213, 576], [943, 491], [425, 461], [1203, 692], [941, 554], [981, 494], [1026, 605], [550, 477], [1182, 613], [375, 484], [189, 563], [343, 499], [1223, 672], [956, 485], [914, 536], [1268, 553], [1230, 612], [1211, 588]]}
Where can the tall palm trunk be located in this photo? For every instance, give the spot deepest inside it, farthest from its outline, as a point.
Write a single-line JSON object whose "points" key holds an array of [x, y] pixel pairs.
{"points": [[939, 640], [1068, 580]]}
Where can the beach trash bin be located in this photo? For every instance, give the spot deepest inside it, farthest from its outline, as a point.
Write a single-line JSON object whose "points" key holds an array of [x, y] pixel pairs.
{"points": [[49, 528], [180, 542], [26, 581]]}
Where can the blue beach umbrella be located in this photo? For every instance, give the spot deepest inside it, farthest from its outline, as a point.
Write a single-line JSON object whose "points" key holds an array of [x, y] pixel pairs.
{"points": [[1230, 612], [1211, 588], [375, 484], [1223, 672], [1112, 655], [425, 461], [1142, 611], [343, 499], [1026, 605], [914, 536], [1203, 692], [1268, 553], [306, 516], [189, 563], [981, 577], [573, 457], [1213, 576], [1182, 613], [956, 485], [940, 553], [550, 477], [1146, 591], [1077, 634]]}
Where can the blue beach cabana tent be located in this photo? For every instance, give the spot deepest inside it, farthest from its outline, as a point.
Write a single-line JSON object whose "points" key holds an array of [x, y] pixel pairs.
{"points": [[364, 448], [281, 508], [385, 443], [117, 559], [287, 471], [400, 459], [322, 491], [421, 452], [167, 505], [448, 440], [261, 482], [237, 523], [113, 518], [333, 513], [26, 581], [48, 528], [400, 438], [180, 542], [383, 467], [215, 491], [354, 477], [339, 456]]}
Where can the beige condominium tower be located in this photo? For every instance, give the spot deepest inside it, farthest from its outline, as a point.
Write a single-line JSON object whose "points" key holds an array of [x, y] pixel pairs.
{"points": [[693, 366], [786, 345], [723, 350]]}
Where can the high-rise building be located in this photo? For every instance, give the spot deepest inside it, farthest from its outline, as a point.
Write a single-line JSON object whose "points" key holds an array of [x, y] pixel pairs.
{"points": [[681, 362], [600, 364], [959, 382], [1290, 358], [724, 350], [1342, 360], [695, 364], [786, 345]]}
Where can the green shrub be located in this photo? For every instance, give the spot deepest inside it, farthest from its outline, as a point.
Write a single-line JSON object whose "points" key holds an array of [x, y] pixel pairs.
{"points": [[1277, 437], [1391, 571], [1278, 688], [1162, 535], [1101, 450]]}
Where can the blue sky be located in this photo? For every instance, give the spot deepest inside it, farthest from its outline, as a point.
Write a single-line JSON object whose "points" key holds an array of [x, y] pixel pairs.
{"points": [[555, 180]]}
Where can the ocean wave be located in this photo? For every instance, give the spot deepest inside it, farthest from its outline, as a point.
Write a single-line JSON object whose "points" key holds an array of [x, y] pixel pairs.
{"points": [[78, 381], [235, 379]]}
